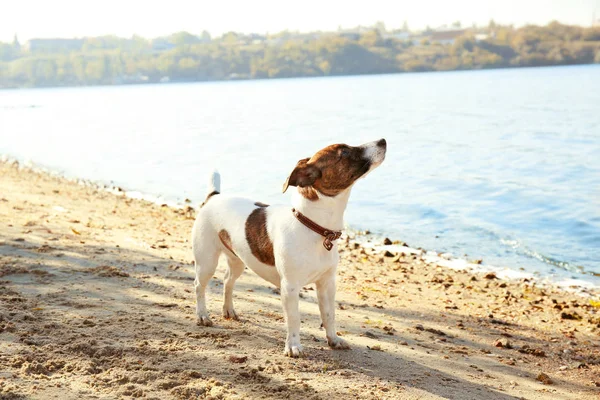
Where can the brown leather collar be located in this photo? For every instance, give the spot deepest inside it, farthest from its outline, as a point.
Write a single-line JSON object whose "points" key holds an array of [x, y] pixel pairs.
{"points": [[329, 235]]}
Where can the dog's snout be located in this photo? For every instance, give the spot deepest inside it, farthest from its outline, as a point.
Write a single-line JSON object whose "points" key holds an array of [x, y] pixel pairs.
{"points": [[382, 143]]}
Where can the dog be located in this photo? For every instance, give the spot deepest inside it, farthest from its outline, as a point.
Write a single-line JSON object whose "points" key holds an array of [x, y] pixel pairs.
{"points": [[288, 247]]}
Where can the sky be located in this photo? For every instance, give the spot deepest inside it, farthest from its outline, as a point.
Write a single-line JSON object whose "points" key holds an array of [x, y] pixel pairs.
{"points": [[77, 18]]}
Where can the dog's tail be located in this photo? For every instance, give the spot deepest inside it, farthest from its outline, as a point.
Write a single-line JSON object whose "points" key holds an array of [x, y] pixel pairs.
{"points": [[214, 186]]}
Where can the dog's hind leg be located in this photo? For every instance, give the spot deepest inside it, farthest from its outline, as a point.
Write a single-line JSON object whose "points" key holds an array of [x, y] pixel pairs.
{"points": [[234, 270], [206, 264]]}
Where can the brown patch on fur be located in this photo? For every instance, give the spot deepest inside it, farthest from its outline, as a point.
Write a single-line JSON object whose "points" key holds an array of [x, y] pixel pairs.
{"points": [[258, 237], [226, 240], [208, 196], [308, 193], [261, 204], [341, 165]]}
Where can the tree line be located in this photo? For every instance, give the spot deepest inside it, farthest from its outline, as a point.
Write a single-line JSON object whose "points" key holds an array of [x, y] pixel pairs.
{"points": [[183, 57]]}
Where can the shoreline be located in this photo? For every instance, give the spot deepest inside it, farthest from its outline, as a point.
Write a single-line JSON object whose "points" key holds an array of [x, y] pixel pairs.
{"points": [[96, 300], [477, 267], [578, 285], [227, 80]]}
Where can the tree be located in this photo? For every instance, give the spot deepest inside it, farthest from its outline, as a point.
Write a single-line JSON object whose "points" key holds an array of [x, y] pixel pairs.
{"points": [[370, 39], [45, 72], [592, 34], [95, 70], [188, 66], [16, 45], [380, 27], [461, 45], [205, 36], [326, 67], [139, 44], [183, 38], [6, 52], [230, 38]]}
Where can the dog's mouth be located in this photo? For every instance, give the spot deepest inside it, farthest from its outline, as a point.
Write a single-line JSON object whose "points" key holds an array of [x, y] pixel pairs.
{"points": [[374, 161], [363, 170]]}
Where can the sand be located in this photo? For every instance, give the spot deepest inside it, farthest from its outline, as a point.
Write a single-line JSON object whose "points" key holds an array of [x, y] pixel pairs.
{"points": [[96, 301]]}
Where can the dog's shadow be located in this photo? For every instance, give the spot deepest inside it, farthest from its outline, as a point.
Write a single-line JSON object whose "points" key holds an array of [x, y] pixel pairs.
{"points": [[422, 363]]}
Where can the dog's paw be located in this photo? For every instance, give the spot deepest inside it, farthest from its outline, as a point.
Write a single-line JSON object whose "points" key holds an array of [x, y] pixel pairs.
{"points": [[293, 351], [203, 320], [229, 313], [337, 343]]}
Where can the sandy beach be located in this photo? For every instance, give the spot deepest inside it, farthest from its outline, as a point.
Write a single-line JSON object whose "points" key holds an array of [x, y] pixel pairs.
{"points": [[96, 302]]}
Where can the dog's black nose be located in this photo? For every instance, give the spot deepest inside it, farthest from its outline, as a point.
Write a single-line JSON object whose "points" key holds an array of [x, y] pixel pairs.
{"points": [[382, 143]]}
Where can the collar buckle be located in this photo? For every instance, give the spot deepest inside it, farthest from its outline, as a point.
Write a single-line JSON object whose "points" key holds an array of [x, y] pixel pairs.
{"points": [[329, 235]]}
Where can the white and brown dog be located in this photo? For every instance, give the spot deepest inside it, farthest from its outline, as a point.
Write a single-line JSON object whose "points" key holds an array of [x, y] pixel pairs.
{"points": [[288, 247]]}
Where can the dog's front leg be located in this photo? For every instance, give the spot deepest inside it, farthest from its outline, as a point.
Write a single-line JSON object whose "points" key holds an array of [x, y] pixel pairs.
{"points": [[326, 297], [290, 295]]}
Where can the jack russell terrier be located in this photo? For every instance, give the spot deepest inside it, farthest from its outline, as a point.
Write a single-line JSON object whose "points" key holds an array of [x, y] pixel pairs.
{"points": [[289, 247]]}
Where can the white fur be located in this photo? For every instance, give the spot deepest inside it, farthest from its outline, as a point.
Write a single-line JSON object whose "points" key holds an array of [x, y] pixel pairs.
{"points": [[300, 257]]}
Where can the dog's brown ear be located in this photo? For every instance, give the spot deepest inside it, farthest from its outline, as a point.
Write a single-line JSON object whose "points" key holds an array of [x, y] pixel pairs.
{"points": [[303, 175]]}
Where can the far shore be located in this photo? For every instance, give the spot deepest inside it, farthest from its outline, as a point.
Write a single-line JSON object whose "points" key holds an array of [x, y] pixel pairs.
{"points": [[229, 80], [96, 301]]}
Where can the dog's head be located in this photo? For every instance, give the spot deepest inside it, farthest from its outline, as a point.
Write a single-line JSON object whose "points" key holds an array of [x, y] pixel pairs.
{"points": [[335, 168]]}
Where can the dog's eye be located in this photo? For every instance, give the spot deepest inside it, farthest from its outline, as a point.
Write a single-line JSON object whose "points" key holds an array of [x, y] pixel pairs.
{"points": [[345, 152]]}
